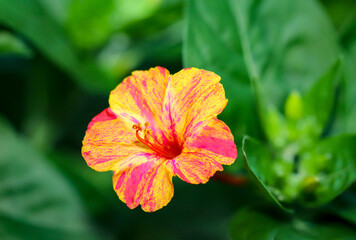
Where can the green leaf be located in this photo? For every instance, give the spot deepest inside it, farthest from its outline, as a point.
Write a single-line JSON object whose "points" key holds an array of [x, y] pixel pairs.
{"points": [[204, 47], [95, 189], [251, 224], [32, 20], [10, 44], [350, 90], [265, 170], [285, 45], [85, 30], [344, 206], [89, 32], [319, 101], [128, 12], [36, 201], [58, 9], [332, 165], [343, 13], [275, 126]]}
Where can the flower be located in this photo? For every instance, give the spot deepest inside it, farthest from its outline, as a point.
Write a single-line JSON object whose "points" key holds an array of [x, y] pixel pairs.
{"points": [[159, 126]]}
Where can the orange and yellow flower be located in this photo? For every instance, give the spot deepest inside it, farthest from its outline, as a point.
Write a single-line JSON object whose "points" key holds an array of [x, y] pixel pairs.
{"points": [[159, 126]]}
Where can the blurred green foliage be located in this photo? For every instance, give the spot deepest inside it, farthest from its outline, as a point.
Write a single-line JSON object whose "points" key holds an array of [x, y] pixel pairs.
{"points": [[288, 68], [284, 44], [36, 201]]}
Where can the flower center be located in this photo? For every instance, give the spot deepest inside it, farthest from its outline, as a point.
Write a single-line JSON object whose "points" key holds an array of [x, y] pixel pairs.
{"points": [[165, 151]]}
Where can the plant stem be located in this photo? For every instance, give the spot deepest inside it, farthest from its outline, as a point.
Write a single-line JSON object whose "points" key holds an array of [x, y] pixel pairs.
{"points": [[231, 179]]}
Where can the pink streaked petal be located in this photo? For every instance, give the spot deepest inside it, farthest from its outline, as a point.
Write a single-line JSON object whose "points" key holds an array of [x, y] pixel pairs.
{"points": [[213, 139], [108, 141], [159, 188], [144, 179], [196, 96], [195, 167], [139, 98], [129, 182], [168, 110], [105, 115]]}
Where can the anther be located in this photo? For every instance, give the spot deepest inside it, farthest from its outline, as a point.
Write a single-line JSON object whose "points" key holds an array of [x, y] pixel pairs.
{"points": [[137, 126]]}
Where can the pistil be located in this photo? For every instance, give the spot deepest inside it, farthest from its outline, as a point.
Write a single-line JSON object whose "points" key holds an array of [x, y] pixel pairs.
{"points": [[155, 146]]}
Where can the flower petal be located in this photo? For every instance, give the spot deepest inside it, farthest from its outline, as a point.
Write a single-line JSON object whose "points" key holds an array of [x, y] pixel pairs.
{"points": [[213, 139], [108, 141], [139, 98], [158, 191], [205, 149], [144, 179], [195, 95], [195, 167]]}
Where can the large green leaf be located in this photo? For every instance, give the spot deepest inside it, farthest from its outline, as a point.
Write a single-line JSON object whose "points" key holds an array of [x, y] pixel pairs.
{"points": [[32, 20], [266, 172], [251, 224], [36, 201], [329, 168], [285, 44], [204, 47]]}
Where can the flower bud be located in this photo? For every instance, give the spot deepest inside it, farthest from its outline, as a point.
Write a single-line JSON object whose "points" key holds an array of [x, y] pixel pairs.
{"points": [[293, 107]]}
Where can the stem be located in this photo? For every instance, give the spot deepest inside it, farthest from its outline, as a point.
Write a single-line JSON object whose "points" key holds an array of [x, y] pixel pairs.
{"points": [[236, 180]]}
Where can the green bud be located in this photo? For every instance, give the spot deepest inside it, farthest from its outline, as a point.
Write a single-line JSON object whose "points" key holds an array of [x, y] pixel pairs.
{"points": [[275, 127], [309, 184], [293, 107]]}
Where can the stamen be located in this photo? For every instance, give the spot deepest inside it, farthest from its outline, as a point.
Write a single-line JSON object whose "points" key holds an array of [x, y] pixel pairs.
{"points": [[156, 146]]}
